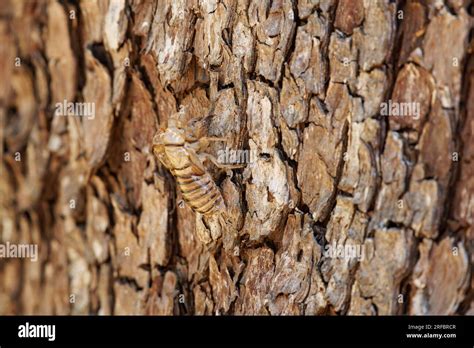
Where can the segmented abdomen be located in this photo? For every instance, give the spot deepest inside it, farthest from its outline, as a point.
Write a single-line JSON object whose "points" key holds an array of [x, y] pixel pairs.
{"points": [[198, 189]]}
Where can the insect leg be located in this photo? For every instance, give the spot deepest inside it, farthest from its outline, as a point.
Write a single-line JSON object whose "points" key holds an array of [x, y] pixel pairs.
{"points": [[213, 139], [203, 143], [159, 151], [206, 156]]}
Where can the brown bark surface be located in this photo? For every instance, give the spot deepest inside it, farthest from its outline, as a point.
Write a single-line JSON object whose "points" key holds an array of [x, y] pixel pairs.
{"points": [[298, 83]]}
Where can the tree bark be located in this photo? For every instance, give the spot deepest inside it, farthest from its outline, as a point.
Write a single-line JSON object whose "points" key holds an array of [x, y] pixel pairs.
{"points": [[301, 86]]}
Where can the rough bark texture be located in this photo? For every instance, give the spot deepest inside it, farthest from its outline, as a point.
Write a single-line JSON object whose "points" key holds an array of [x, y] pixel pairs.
{"points": [[298, 82]]}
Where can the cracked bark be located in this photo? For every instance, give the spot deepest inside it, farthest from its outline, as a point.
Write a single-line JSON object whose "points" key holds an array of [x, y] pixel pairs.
{"points": [[298, 83]]}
